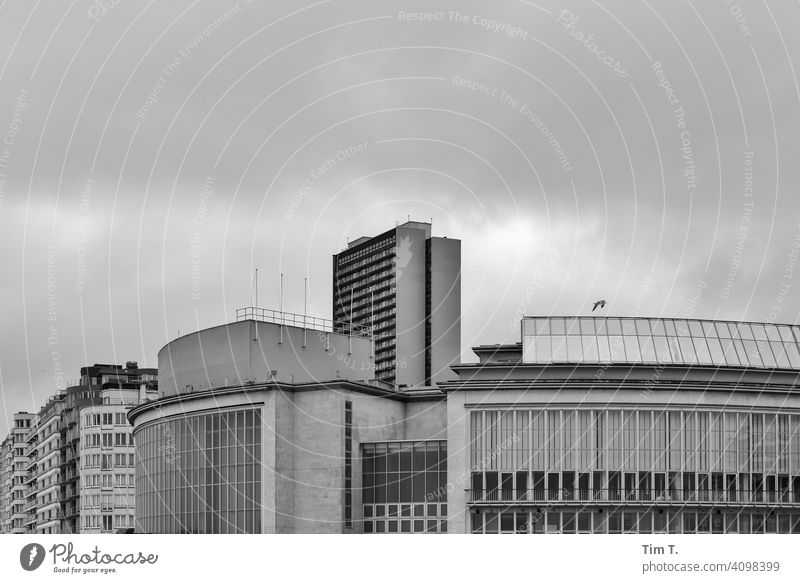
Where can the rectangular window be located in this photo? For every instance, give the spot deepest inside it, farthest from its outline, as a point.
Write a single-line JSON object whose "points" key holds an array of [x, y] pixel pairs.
{"points": [[522, 485], [539, 487], [689, 486], [614, 492]]}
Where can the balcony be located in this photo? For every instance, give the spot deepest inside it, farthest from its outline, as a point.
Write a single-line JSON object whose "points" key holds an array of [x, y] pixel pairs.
{"points": [[18, 514], [644, 497]]}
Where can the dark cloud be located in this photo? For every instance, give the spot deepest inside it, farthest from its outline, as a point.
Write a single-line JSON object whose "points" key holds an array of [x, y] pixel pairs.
{"points": [[164, 150]]}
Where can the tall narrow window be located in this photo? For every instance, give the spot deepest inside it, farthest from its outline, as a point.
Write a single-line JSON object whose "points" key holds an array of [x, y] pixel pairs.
{"points": [[348, 464]]}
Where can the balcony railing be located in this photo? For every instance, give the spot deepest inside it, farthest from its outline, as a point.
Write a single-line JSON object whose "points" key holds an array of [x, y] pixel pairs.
{"points": [[639, 496]]}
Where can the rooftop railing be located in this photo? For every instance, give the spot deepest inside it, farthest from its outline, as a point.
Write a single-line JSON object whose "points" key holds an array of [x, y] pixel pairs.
{"points": [[302, 321]]}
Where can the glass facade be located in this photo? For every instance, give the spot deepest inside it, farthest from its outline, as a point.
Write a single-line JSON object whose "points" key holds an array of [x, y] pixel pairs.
{"points": [[660, 341], [405, 486], [200, 474], [643, 470]]}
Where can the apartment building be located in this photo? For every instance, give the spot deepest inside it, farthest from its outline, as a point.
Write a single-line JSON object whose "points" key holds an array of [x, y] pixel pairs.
{"points": [[76, 455], [13, 465], [107, 487], [43, 513], [405, 285]]}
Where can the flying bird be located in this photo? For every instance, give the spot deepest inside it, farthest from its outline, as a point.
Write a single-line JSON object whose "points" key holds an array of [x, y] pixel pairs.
{"points": [[599, 304]]}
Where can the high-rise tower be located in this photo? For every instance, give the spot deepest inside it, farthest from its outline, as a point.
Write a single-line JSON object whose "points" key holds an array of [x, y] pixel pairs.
{"points": [[406, 285]]}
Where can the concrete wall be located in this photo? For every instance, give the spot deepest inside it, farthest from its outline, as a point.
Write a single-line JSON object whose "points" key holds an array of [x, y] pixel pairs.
{"points": [[269, 480], [457, 462], [205, 358], [410, 297], [445, 308], [245, 351], [425, 420], [311, 462], [309, 454], [607, 398], [303, 436]]}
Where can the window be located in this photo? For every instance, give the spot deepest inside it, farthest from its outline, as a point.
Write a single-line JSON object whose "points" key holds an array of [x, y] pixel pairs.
{"points": [[409, 479], [205, 444], [348, 464]]}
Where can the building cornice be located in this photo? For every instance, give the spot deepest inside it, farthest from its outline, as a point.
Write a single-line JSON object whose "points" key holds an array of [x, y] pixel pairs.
{"points": [[336, 384]]}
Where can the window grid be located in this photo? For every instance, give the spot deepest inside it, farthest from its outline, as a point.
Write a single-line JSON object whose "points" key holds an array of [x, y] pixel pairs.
{"points": [[200, 474], [626, 520], [404, 486], [705, 456], [660, 341]]}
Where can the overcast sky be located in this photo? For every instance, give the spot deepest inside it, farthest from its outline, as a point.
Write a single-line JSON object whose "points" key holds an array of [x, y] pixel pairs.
{"points": [[154, 154]]}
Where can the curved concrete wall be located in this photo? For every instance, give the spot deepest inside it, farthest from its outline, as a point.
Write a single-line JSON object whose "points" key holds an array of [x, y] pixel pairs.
{"points": [[249, 351]]}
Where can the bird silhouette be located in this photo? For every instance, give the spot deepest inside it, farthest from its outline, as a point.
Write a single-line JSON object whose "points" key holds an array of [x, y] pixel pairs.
{"points": [[599, 304]]}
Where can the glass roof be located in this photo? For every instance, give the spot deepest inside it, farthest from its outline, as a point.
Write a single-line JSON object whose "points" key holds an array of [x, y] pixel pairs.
{"points": [[584, 339]]}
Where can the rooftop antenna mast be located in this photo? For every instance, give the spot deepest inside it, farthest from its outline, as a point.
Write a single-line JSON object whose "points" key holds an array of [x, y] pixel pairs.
{"points": [[255, 311], [305, 310], [281, 310]]}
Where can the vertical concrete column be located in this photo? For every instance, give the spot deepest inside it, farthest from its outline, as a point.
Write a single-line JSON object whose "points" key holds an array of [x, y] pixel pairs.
{"points": [[268, 464], [457, 462]]}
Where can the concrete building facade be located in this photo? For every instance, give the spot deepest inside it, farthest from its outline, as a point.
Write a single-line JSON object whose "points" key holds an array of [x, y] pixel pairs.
{"points": [[96, 388], [13, 473], [613, 425], [595, 425], [265, 345], [406, 286], [269, 455], [107, 460], [43, 480], [46, 476]]}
